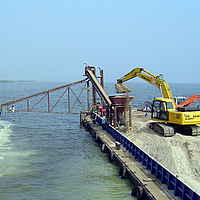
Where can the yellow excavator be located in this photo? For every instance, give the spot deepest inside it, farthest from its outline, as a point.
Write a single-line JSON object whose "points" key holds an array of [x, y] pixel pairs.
{"points": [[168, 118]]}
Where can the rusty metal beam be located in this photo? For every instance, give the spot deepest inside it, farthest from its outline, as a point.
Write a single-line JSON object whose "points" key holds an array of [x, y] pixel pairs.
{"points": [[47, 93], [77, 99], [41, 93], [27, 104], [35, 111], [48, 101], [38, 102], [88, 94], [59, 99], [68, 100]]}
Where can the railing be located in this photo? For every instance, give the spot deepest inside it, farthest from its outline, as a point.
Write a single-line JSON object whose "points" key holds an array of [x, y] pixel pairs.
{"points": [[166, 177]]}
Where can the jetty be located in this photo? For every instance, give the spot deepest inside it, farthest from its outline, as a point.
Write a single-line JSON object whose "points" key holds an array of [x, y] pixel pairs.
{"points": [[107, 123]]}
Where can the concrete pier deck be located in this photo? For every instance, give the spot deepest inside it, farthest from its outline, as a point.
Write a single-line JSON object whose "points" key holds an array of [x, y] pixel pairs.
{"points": [[149, 186]]}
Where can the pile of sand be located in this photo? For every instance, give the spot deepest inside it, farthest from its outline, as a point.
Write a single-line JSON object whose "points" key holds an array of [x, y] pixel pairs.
{"points": [[179, 154]]}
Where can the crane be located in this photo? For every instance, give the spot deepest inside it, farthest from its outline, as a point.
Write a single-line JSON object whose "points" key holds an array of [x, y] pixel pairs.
{"points": [[167, 117]]}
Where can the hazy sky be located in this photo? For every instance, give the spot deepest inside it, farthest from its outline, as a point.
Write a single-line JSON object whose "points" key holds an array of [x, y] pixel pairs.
{"points": [[49, 40]]}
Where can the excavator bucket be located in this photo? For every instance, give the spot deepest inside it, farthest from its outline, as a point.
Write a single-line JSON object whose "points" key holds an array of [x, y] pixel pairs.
{"points": [[121, 88]]}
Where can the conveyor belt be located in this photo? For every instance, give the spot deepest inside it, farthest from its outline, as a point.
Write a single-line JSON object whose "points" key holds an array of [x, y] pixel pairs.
{"points": [[98, 87]]}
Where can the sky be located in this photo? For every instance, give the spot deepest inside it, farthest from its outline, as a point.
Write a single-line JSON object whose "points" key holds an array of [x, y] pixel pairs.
{"points": [[49, 40]]}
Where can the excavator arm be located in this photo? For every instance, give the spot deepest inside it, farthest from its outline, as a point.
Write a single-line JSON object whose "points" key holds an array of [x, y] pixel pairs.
{"points": [[189, 101], [158, 82]]}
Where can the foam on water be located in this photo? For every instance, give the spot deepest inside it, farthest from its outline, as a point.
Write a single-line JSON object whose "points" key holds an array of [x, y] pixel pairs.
{"points": [[5, 145], [11, 159]]}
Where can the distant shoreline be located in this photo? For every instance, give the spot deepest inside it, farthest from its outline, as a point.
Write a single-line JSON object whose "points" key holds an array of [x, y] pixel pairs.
{"points": [[11, 81]]}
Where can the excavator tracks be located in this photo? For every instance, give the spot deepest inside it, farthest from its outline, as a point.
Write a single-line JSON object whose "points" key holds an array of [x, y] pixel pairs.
{"points": [[167, 130], [192, 130], [161, 128], [195, 130]]}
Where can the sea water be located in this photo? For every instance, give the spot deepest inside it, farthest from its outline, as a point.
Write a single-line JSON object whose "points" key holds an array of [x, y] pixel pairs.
{"points": [[50, 156]]}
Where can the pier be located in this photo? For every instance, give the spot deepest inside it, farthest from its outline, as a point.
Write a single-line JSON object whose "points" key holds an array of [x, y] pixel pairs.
{"points": [[152, 182], [128, 168]]}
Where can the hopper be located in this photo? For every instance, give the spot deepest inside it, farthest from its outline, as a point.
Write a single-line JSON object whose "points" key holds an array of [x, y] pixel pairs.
{"points": [[121, 101]]}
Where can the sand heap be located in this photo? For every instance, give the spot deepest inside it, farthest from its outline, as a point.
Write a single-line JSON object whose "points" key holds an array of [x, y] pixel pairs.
{"points": [[180, 154]]}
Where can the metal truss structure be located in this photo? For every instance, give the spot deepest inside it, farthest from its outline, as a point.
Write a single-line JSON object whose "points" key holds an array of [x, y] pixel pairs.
{"points": [[32, 101]]}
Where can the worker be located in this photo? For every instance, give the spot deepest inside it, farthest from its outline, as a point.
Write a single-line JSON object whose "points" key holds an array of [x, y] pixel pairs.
{"points": [[95, 118], [104, 122], [147, 109], [12, 109]]}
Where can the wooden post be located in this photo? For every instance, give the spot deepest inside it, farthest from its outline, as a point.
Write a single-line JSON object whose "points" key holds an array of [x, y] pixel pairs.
{"points": [[130, 116]]}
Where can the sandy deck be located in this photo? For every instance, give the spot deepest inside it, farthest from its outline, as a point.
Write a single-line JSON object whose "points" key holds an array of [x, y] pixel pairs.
{"points": [[180, 154]]}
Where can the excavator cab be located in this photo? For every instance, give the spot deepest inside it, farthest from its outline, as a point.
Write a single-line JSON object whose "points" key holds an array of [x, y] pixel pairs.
{"points": [[160, 109]]}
